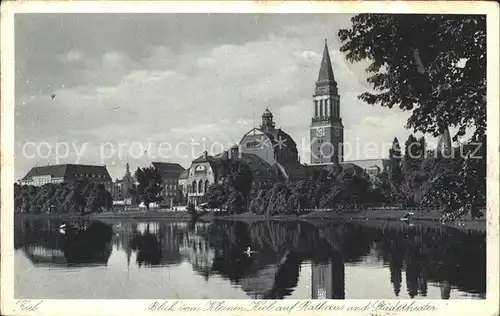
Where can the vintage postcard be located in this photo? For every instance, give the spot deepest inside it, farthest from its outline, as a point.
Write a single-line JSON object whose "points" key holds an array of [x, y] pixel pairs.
{"points": [[316, 158]]}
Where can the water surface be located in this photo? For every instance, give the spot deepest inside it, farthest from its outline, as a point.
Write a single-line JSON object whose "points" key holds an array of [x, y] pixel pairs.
{"points": [[289, 260]]}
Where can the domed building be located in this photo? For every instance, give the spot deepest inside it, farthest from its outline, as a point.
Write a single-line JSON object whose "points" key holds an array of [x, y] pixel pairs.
{"points": [[274, 146], [269, 152]]}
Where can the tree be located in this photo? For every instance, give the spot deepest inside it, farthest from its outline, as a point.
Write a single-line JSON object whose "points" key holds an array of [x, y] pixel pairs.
{"points": [[435, 67], [237, 182], [452, 182], [215, 196], [395, 172], [431, 65], [149, 188], [412, 161], [237, 175]]}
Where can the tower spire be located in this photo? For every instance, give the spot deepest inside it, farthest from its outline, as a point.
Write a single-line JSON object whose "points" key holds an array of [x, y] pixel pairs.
{"points": [[326, 71], [326, 123], [326, 84]]}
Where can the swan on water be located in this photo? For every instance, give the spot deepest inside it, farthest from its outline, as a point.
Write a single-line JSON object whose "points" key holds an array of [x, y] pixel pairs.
{"points": [[407, 217], [249, 251]]}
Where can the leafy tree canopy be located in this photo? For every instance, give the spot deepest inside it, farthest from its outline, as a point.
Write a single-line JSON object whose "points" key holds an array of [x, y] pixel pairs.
{"points": [[431, 65], [149, 186]]}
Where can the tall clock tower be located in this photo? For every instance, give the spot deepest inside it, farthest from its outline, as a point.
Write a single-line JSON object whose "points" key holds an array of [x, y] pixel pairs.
{"points": [[327, 131]]}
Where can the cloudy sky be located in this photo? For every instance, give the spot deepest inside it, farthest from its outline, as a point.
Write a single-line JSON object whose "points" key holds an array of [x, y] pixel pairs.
{"points": [[134, 87]]}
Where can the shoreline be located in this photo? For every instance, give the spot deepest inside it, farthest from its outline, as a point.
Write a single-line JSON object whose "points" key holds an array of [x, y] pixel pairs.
{"points": [[431, 218]]}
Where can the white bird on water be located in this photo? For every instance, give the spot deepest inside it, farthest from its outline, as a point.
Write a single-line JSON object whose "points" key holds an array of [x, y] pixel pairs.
{"points": [[62, 229], [249, 251]]}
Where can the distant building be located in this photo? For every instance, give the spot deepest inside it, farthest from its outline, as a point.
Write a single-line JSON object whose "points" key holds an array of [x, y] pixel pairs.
{"points": [[183, 186], [269, 152], [67, 173], [170, 173], [274, 146], [121, 187], [204, 171]]}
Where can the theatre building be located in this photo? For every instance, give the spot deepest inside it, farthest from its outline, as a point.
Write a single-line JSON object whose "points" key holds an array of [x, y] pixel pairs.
{"points": [[67, 173]]}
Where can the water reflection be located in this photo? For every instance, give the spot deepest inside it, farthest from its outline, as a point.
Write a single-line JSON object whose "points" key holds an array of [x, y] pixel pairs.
{"points": [[415, 257], [82, 244]]}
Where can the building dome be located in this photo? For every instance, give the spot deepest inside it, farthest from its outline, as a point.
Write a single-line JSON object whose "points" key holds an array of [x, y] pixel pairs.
{"points": [[267, 113]]}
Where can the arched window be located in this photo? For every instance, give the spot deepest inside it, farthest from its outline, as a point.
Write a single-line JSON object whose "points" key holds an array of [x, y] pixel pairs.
{"points": [[200, 186], [207, 184], [194, 186]]}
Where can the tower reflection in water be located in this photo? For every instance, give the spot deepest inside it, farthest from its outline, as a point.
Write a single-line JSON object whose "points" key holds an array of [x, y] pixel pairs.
{"points": [[415, 257], [328, 280]]}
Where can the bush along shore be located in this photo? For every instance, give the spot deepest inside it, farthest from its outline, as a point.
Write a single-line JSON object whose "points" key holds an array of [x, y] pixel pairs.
{"points": [[434, 187], [387, 215]]}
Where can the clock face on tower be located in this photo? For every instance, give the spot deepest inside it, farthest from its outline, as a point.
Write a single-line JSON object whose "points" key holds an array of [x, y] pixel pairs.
{"points": [[320, 132]]}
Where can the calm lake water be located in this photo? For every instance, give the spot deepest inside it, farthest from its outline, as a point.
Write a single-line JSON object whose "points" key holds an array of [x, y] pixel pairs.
{"points": [[290, 260]]}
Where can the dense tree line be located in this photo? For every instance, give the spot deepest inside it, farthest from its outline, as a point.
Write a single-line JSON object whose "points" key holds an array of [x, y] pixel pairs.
{"points": [[414, 176], [79, 197], [433, 66], [238, 192], [149, 188], [455, 183], [234, 191], [336, 188]]}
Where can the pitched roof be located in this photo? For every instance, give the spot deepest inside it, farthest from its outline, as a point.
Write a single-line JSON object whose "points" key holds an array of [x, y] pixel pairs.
{"points": [[184, 174], [326, 71], [214, 161], [369, 163], [55, 171], [74, 171], [68, 171], [168, 166], [326, 83]]}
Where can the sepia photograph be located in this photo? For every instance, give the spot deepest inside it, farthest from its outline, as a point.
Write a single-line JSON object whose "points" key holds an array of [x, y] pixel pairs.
{"points": [[309, 157]]}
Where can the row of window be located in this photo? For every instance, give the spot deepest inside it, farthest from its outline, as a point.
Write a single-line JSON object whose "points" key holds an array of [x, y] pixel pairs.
{"points": [[170, 187], [199, 186], [322, 108], [40, 182], [88, 175]]}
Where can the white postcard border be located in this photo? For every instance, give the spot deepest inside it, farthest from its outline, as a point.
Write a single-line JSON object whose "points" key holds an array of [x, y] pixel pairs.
{"points": [[10, 306]]}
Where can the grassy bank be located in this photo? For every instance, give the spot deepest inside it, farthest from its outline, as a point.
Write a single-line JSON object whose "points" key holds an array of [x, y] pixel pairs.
{"points": [[177, 216], [376, 217]]}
